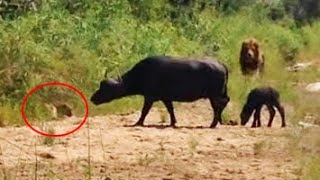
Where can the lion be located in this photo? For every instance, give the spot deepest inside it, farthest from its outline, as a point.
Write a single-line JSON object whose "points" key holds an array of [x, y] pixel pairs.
{"points": [[251, 57]]}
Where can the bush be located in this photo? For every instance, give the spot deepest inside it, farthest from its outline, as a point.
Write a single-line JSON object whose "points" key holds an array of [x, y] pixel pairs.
{"points": [[78, 42], [289, 46], [303, 10]]}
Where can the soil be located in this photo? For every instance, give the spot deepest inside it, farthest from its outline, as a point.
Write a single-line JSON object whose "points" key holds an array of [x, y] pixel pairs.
{"points": [[156, 151]]}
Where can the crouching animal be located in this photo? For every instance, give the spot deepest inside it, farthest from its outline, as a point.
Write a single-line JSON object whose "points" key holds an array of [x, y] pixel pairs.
{"points": [[251, 57], [256, 99], [59, 110], [169, 79]]}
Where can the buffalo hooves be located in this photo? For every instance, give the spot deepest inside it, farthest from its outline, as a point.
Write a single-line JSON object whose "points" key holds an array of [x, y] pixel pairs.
{"points": [[138, 124]]}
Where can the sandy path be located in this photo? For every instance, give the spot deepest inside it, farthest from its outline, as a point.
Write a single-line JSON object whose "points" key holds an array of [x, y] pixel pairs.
{"points": [[191, 151]]}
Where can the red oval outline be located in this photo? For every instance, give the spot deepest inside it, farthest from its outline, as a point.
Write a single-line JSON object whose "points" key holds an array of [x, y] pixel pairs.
{"points": [[24, 101]]}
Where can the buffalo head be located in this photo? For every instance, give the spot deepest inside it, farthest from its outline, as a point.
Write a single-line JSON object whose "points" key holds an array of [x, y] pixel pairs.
{"points": [[108, 91], [245, 114]]}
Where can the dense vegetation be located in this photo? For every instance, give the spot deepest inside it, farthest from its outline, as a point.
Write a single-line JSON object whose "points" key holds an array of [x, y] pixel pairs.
{"points": [[81, 41]]}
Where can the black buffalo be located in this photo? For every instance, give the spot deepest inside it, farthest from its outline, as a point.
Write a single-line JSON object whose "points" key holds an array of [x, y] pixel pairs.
{"points": [[168, 79], [256, 99]]}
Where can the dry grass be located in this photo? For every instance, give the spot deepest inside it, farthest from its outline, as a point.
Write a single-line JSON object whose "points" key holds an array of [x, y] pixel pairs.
{"points": [[163, 115], [258, 148], [305, 146], [49, 141]]}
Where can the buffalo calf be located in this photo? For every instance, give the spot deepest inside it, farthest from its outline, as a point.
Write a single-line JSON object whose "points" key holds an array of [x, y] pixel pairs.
{"points": [[256, 99], [169, 79]]}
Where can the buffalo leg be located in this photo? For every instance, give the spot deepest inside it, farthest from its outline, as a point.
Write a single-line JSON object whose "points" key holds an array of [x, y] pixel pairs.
{"points": [[218, 106], [145, 110], [281, 111], [256, 116], [272, 112], [169, 107]]}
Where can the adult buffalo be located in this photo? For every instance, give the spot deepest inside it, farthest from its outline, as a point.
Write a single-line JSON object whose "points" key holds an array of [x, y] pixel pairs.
{"points": [[168, 79]]}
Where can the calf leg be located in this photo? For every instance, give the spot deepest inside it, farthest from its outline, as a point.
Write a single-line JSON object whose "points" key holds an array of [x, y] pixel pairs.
{"points": [[218, 106], [145, 110], [254, 123], [256, 120], [169, 107], [272, 112], [282, 114]]}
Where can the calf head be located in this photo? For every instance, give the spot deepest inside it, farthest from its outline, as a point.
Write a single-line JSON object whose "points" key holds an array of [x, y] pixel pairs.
{"points": [[108, 91], [245, 114]]}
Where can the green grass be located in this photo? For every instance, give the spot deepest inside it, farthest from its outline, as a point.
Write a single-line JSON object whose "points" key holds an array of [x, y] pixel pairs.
{"points": [[54, 45], [49, 141], [193, 143], [98, 38], [312, 168], [304, 145]]}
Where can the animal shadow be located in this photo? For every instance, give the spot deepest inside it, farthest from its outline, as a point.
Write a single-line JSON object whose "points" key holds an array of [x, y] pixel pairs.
{"points": [[168, 126]]}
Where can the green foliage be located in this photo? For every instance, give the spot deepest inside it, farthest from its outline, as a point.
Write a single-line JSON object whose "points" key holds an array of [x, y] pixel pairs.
{"points": [[313, 169], [289, 45], [230, 6], [312, 42], [80, 41], [303, 10], [11, 9], [49, 141]]}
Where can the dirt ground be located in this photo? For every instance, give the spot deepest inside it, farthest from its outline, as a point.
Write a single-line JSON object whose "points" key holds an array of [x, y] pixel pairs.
{"points": [[117, 151]]}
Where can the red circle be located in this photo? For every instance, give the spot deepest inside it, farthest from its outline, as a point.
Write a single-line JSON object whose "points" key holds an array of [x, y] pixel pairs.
{"points": [[54, 84]]}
